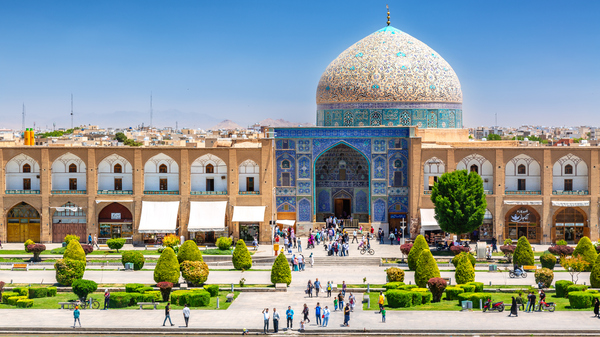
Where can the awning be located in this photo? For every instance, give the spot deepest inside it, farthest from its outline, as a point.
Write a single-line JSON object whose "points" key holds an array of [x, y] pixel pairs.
{"points": [[286, 222], [248, 214], [128, 200], [523, 202], [159, 216], [206, 216], [428, 222], [570, 203]]}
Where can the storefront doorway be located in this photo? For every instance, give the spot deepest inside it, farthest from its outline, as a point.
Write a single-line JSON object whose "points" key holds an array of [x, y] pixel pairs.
{"points": [[248, 231], [23, 222], [523, 221], [343, 208], [396, 221], [115, 221], [570, 224], [69, 219]]}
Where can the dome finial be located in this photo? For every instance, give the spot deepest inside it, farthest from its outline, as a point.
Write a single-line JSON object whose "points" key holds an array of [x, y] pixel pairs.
{"points": [[388, 14]]}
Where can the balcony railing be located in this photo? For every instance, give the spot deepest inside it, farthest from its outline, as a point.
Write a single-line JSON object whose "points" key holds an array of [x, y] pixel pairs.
{"points": [[22, 191], [522, 192], [249, 192], [208, 192], [68, 192], [114, 192], [162, 192], [427, 192], [578, 192], [487, 192]]}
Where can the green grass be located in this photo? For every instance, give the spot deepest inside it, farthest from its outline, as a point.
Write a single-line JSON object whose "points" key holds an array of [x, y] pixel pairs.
{"points": [[216, 251], [351, 286]]}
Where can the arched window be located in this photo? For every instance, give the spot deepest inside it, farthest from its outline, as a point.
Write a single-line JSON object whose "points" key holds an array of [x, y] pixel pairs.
{"points": [[569, 169], [398, 163], [162, 168], [26, 168], [285, 164], [475, 168], [210, 168], [118, 168], [72, 168], [521, 169]]}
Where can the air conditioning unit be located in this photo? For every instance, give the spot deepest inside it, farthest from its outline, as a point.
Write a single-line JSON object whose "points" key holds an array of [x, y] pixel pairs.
{"points": [[223, 177], [485, 180], [37, 176]]}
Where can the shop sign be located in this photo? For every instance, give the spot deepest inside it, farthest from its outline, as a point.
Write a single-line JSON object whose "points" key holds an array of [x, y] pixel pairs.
{"points": [[520, 215], [397, 216], [115, 216]]}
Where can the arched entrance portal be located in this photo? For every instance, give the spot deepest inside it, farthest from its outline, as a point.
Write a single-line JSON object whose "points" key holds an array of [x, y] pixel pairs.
{"points": [[570, 224], [115, 221], [23, 222], [523, 221], [342, 184]]}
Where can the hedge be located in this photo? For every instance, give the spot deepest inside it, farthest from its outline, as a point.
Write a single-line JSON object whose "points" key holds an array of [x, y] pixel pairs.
{"points": [[193, 298], [153, 296], [417, 298], [194, 272], [68, 270], [393, 285], [38, 292], [478, 286], [587, 251], [415, 252], [407, 287], [581, 299], [469, 288], [24, 303], [13, 300], [474, 297], [426, 296], [213, 289], [399, 298], [595, 275], [51, 291], [167, 267], [133, 287], [395, 274], [22, 291], [464, 271], [575, 288], [189, 252], [143, 290], [427, 268], [453, 292], [7, 295], [280, 271], [548, 260], [241, 256], [135, 257], [119, 299], [175, 295], [561, 287]]}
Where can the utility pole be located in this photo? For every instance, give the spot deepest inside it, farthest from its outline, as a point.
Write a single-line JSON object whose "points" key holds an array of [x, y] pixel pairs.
{"points": [[151, 111], [71, 111], [23, 121]]}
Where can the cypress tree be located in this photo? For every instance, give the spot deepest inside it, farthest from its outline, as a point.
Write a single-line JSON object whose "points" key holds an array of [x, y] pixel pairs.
{"points": [[427, 269], [464, 271], [523, 255], [415, 252], [167, 267], [241, 256], [281, 272]]}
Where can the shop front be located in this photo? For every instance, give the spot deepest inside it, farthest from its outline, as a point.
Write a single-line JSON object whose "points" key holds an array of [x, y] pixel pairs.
{"points": [[523, 221], [570, 224], [115, 221], [23, 222], [249, 219], [207, 221], [429, 226], [158, 219], [486, 230], [69, 219]]}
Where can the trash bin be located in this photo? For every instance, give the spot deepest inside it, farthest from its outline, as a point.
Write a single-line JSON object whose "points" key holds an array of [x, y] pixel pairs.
{"points": [[467, 305], [128, 266], [64, 244], [493, 267]]}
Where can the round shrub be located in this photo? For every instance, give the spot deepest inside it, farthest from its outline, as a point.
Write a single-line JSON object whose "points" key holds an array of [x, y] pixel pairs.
{"points": [[561, 250], [576, 287], [459, 249], [135, 257], [464, 271], [68, 270], [74, 252], [213, 289], [475, 298], [468, 288], [281, 272], [224, 243], [170, 240], [561, 287], [460, 256], [87, 249], [415, 252], [241, 256], [116, 243], [167, 267], [194, 272], [393, 285], [405, 248], [24, 303], [427, 268], [581, 299], [28, 243], [523, 253], [586, 250], [453, 292], [478, 286], [399, 298], [120, 299], [38, 292], [544, 275], [437, 285], [82, 288], [189, 252], [22, 291], [133, 287], [595, 274], [548, 260], [395, 274], [70, 237]]}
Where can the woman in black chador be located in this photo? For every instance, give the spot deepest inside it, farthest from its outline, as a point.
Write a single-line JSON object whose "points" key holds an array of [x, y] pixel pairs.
{"points": [[513, 308], [596, 307]]}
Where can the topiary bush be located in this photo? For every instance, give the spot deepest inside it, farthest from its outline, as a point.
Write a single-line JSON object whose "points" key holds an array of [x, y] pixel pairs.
{"points": [[478, 286], [453, 292], [561, 287], [399, 298], [38, 292], [508, 251], [51, 291], [194, 272], [7, 295], [393, 285], [595, 274], [405, 248], [82, 288], [68, 270], [576, 287], [144, 289], [87, 249], [561, 250], [426, 297], [224, 243], [523, 253], [165, 290], [437, 285], [395, 274], [508, 242], [460, 256], [153, 296], [241, 256], [407, 287], [120, 299], [475, 298], [581, 299], [24, 303], [415, 252], [116, 243], [135, 257], [281, 272], [189, 252], [427, 268], [544, 275], [548, 260], [176, 295], [469, 288], [74, 252], [459, 249], [167, 267], [586, 250], [197, 298], [133, 287], [417, 298], [28, 243], [213, 289], [464, 271], [22, 291], [36, 249], [71, 237], [13, 300]]}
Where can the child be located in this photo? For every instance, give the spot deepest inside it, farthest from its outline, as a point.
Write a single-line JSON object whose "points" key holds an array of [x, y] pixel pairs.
{"points": [[335, 303], [301, 326], [383, 315]]}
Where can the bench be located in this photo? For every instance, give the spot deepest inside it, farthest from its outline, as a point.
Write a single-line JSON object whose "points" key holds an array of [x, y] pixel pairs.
{"points": [[70, 305], [229, 297], [102, 246], [141, 304], [529, 268], [152, 246], [20, 266]]}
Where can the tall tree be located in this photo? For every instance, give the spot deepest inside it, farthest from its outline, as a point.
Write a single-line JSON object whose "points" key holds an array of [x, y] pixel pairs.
{"points": [[459, 201]]}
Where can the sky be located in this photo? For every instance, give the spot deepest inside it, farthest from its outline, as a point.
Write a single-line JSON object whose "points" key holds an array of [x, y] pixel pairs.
{"points": [[529, 62]]}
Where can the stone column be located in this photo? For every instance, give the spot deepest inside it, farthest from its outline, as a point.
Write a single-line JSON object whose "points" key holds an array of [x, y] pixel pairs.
{"points": [[45, 188], [546, 184], [184, 192], [138, 192]]}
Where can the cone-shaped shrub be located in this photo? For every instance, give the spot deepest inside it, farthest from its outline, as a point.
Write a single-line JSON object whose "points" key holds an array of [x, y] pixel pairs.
{"points": [[548, 260], [167, 267], [427, 269], [189, 252], [281, 272], [469, 256], [241, 256], [68, 270], [523, 253], [464, 271], [194, 272], [587, 251], [595, 275], [74, 251], [415, 252]]}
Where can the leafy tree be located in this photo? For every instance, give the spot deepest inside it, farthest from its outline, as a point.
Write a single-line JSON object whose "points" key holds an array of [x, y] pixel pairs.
{"points": [[121, 137], [36, 249], [74, 251], [27, 243], [464, 271], [116, 243], [281, 272], [82, 288], [189, 252], [415, 252], [241, 256], [574, 265], [170, 240], [493, 136], [545, 276], [165, 290], [523, 253], [459, 201], [167, 267], [427, 269], [587, 251]]}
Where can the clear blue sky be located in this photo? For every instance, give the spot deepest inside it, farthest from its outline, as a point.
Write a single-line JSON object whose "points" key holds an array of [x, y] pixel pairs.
{"points": [[532, 62]]}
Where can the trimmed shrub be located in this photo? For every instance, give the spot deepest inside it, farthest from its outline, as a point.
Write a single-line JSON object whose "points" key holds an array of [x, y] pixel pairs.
{"points": [[1, 286], [120, 299], [417, 298], [143, 290], [407, 287], [595, 275], [427, 268], [561, 287], [22, 291], [460, 256], [586, 250], [393, 285], [68, 270], [548, 260], [241, 256], [28, 243], [399, 298], [478, 286], [71, 237], [135, 257], [194, 272], [189, 252], [87, 249], [508, 251], [508, 242], [24, 303], [281, 272], [464, 271], [176, 295], [561, 250], [213, 289], [468, 288], [171, 240], [36, 249], [74, 252], [576, 287], [453, 292], [117, 243], [13, 300], [395, 274], [6, 296], [197, 298], [415, 252], [427, 297], [165, 290], [437, 285], [133, 287], [544, 275], [51, 291], [474, 297], [405, 248], [581, 299], [152, 296], [82, 288], [134, 298], [167, 267], [459, 249], [224, 243], [523, 253], [38, 292]]}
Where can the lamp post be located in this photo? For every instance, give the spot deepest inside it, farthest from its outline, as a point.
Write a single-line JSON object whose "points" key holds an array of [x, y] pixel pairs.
{"points": [[403, 226]]}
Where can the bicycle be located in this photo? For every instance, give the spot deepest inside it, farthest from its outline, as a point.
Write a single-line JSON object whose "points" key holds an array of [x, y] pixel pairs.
{"points": [[90, 303], [369, 250]]}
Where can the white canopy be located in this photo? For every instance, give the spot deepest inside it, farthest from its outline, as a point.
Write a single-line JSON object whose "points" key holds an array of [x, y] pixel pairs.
{"points": [[207, 216], [428, 222], [159, 217], [570, 203], [286, 222], [248, 214]]}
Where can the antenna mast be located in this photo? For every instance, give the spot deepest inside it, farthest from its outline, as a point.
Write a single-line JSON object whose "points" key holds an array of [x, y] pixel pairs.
{"points": [[151, 111], [388, 14], [23, 122], [71, 111]]}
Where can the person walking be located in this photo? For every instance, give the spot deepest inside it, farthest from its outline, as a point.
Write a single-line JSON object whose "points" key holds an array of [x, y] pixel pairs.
{"points": [[309, 288], [275, 321], [266, 317], [1, 244], [347, 315], [354, 238], [295, 262], [289, 314], [596, 307], [344, 288], [392, 238], [513, 308], [305, 313], [329, 288], [96, 242], [168, 314], [299, 245], [326, 313], [341, 300], [380, 235], [317, 284], [318, 313], [312, 260], [76, 314], [300, 262], [106, 299], [186, 315], [381, 301], [89, 239], [383, 315]]}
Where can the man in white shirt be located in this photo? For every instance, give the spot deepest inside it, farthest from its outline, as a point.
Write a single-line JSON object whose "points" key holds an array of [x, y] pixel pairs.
{"points": [[186, 315], [354, 237], [266, 317]]}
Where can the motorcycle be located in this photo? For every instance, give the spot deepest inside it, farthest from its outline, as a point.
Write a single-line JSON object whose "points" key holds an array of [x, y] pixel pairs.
{"points": [[516, 273], [499, 306], [441, 247], [550, 306]]}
